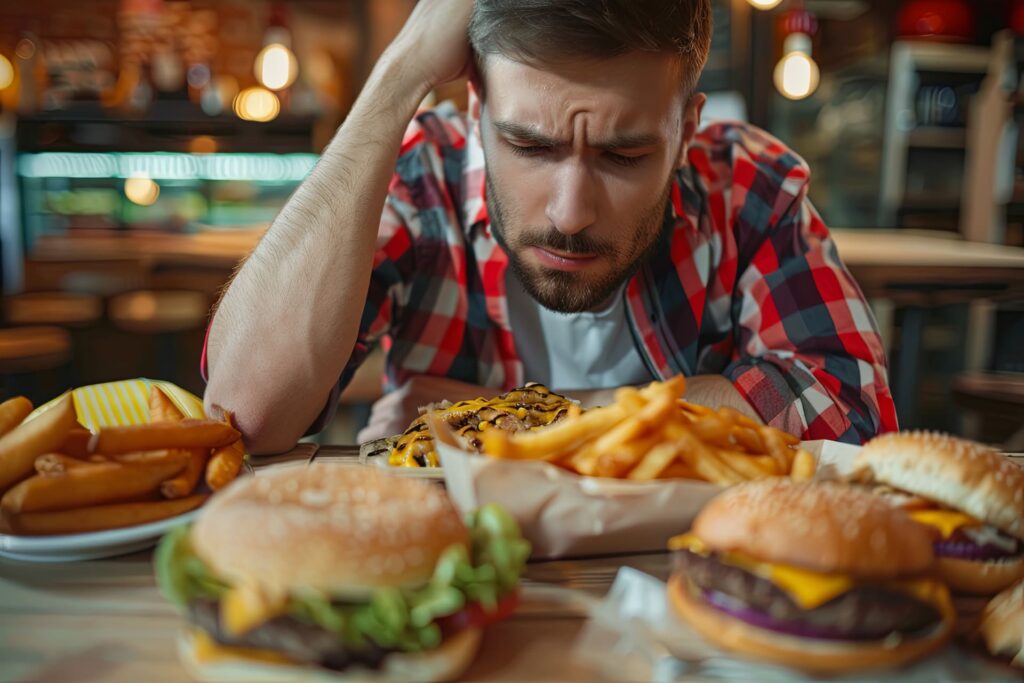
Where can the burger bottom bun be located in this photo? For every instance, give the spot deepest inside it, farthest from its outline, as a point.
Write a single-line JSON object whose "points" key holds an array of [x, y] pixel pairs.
{"points": [[978, 577], [441, 664], [1002, 625], [808, 654]]}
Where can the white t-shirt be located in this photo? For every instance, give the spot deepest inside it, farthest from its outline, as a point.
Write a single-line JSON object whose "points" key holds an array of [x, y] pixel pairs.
{"points": [[590, 350]]}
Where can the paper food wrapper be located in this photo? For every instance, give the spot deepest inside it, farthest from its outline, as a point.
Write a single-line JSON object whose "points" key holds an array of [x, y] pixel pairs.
{"points": [[125, 402], [634, 635], [563, 514]]}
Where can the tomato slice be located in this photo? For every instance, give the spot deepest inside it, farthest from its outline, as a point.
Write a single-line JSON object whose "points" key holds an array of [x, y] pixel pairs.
{"points": [[475, 615]]}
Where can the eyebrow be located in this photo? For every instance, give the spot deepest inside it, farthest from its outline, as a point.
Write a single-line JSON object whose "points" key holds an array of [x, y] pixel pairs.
{"points": [[531, 135]]}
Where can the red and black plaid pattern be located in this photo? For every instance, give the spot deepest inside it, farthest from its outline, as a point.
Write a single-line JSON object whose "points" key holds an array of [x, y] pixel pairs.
{"points": [[748, 284]]}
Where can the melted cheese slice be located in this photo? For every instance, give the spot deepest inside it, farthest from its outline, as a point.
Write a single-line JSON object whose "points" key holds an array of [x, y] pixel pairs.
{"points": [[206, 649], [946, 521], [809, 589], [245, 607]]}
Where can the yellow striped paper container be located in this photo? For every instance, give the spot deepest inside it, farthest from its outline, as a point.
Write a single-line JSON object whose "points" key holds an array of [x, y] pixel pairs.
{"points": [[125, 402]]}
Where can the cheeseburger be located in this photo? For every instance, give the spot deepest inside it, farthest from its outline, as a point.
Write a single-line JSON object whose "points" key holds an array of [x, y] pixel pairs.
{"points": [[813, 575], [970, 498], [343, 570]]}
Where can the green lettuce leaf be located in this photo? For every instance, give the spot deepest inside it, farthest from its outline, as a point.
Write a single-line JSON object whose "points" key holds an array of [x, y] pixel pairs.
{"points": [[390, 618]]}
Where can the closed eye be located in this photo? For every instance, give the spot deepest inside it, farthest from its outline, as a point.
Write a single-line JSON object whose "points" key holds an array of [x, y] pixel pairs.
{"points": [[528, 150], [623, 160]]}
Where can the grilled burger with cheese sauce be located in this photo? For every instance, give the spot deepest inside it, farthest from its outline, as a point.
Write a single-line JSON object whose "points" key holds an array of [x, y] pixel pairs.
{"points": [[341, 572], [970, 498], [529, 407], [818, 576]]}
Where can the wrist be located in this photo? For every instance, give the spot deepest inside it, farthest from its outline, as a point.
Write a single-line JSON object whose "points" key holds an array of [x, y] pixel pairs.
{"points": [[398, 72]]}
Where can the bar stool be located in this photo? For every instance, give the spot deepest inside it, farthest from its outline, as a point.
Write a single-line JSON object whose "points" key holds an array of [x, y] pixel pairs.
{"points": [[72, 311], [162, 313], [26, 351], [66, 309]]}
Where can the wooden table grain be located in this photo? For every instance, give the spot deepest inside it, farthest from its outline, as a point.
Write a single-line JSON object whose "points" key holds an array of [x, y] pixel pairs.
{"points": [[104, 620]]}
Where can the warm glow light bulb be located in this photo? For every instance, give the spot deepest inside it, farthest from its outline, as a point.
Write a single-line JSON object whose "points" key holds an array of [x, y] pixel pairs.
{"points": [[6, 72], [765, 4], [276, 66], [796, 75], [257, 104], [141, 190]]}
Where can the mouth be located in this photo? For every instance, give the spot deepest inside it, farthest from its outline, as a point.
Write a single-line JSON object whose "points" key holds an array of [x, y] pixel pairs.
{"points": [[561, 260]]}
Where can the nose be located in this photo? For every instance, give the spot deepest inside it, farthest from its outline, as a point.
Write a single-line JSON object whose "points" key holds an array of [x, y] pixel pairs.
{"points": [[571, 207]]}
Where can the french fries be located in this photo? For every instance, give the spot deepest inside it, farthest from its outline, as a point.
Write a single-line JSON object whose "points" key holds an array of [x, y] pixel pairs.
{"points": [[162, 409], [58, 477], [224, 465], [13, 412], [652, 433], [98, 517], [55, 464], [157, 435], [20, 447], [92, 484]]}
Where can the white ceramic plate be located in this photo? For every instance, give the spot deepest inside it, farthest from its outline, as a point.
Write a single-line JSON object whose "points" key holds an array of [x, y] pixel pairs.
{"points": [[89, 546]]}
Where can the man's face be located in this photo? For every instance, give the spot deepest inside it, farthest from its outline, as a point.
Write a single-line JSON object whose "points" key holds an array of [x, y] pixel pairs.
{"points": [[579, 161]]}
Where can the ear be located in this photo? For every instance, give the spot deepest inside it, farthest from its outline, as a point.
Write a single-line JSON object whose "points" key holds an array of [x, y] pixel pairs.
{"points": [[691, 122]]}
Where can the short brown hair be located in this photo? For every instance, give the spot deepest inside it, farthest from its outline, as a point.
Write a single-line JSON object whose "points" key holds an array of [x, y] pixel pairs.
{"points": [[542, 30]]}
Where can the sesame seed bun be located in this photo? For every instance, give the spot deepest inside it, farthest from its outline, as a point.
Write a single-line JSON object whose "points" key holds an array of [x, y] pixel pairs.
{"points": [[227, 665], [1002, 624], [959, 474], [819, 656], [342, 530], [820, 526]]}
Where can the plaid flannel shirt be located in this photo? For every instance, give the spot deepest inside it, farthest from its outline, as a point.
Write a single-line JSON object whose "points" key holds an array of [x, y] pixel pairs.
{"points": [[748, 283]]}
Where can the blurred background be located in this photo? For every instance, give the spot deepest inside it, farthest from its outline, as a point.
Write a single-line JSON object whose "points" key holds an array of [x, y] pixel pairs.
{"points": [[146, 144]]}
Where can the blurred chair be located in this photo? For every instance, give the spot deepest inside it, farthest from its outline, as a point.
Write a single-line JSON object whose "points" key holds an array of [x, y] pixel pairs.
{"points": [[66, 309], [27, 351], [164, 314], [997, 402], [76, 313]]}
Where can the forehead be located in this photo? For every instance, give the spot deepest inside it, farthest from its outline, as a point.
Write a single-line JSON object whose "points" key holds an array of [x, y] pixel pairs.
{"points": [[638, 91]]}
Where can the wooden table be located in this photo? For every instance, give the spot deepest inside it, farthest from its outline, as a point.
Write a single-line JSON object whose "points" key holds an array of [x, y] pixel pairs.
{"points": [[105, 621], [920, 270], [891, 261]]}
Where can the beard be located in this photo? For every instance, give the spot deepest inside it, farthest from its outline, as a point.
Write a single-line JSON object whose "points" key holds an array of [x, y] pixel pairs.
{"points": [[573, 292]]}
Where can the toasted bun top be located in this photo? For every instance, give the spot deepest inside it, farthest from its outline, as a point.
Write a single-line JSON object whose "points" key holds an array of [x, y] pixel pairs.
{"points": [[960, 474], [820, 526], [344, 530]]}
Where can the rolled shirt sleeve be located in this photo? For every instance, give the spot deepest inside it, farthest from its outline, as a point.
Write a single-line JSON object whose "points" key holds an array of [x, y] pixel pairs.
{"points": [[809, 357]]}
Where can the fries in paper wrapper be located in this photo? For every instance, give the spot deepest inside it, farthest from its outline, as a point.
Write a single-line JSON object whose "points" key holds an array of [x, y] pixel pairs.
{"points": [[629, 509]]}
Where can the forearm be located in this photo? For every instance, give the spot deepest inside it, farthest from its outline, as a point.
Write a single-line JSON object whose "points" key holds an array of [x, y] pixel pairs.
{"points": [[286, 325]]}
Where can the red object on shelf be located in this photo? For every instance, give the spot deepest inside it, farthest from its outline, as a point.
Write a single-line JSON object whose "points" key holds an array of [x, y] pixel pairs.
{"points": [[1017, 17], [948, 20]]}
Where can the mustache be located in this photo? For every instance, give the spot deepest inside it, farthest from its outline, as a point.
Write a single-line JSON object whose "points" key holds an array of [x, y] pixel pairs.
{"points": [[579, 243]]}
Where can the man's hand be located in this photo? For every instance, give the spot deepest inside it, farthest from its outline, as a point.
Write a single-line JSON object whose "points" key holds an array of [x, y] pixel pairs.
{"points": [[434, 44], [392, 414]]}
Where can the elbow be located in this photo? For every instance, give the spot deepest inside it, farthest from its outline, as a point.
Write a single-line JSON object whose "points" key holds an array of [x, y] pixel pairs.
{"points": [[265, 428]]}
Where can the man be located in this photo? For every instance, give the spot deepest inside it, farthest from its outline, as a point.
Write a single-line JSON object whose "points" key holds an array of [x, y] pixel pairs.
{"points": [[572, 228]]}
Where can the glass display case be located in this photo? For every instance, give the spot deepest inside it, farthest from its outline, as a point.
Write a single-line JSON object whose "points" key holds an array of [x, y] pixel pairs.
{"points": [[78, 193]]}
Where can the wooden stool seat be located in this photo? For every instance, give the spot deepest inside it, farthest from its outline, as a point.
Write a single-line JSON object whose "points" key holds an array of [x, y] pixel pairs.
{"points": [[53, 308], [33, 349], [159, 311], [1003, 391]]}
